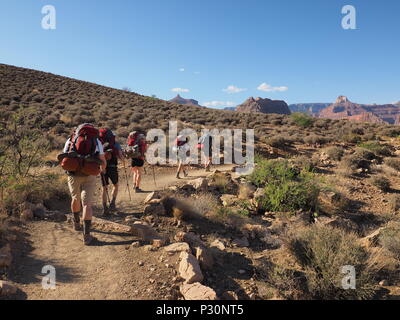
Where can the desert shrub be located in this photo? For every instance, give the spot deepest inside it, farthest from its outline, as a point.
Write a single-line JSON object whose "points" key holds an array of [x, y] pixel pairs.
{"points": [[278, 141], [314, 139], [322, 252], [393, 163], [352, 138], [394, 202], [391, 132], [302, 119], [390, 238], [303, 163], [286, 188], [376, 148], [334, 153], [204, 203], [355, 161], [381, 182]]}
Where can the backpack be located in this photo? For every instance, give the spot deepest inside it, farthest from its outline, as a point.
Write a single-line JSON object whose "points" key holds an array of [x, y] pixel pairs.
{"points": [[132, 149], [82, 155], [107, 138]]}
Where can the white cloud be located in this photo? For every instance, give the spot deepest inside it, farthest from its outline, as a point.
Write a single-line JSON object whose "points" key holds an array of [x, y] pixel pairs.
{"points": [[179, 90], [196, 72], [219, 104], [268, 88], [233, 89], [182, 69]]}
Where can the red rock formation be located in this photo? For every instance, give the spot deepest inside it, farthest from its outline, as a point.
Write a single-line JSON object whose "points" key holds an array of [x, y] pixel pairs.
{"points": [[179, 100], [260, 105]]}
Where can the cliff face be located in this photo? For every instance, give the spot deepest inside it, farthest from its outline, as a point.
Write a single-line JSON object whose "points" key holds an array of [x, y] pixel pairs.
{"points": [[343, 108], [310, 108], [179, 100], [259, 105]]}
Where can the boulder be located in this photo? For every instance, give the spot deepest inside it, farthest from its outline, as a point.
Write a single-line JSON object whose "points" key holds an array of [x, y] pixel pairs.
{"points": [[197, 291], [192, 239], [7, 288], [230, 295], [152, 196], [199, 184], [241, 243], [189, 268], [154, 209], [205, 258], [5, 256], [177, 247], [218, 244]]}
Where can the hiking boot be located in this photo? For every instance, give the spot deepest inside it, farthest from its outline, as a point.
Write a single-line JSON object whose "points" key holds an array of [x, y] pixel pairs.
{"points": [[177, 176], [138, 190], [112, 206], [88, 239], [106, 211], [185, 174], [77, 226]]}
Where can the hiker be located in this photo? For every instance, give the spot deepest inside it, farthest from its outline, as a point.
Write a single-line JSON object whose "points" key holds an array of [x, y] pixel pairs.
{"points": [[205, 147], [181, 146], [113, 153], [83, 159], [135, 150]]}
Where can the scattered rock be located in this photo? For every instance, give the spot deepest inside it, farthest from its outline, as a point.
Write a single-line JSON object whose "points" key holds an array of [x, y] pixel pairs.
{"points": [[135, 244], [199, 184], [218, 244], [141, 263], [5, 256], [177, 248], [158, 243], [384, 283], [197, 291], [7, 288], [189, 268]]}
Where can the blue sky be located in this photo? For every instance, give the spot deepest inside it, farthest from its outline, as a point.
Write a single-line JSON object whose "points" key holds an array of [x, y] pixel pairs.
{"points": [[295, 50]]}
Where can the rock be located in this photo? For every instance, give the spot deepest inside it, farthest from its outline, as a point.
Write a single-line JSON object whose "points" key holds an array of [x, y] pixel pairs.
{"points": [[199, 184], [218, 244], [372, 239], [197, 291], [158, 243], [258, 193], [173, 188], [189, 237], [177, 248], [135, 244], [154, 209], [228, 200], [241, 271], [384, 283], [254, 231], [5, 256], [26, 215], [141, 263], [152, 196], [189, 268], [56, 216], [7, 288], [205, 258], [144, 231], [241, 243], [230, 296]]}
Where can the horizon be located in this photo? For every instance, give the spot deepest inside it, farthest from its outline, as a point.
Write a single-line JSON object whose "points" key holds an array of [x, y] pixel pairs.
{"points": [[295, 52]]}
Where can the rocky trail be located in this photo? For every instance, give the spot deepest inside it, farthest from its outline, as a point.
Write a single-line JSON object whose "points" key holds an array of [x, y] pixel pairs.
{"points": [[118, 266]]}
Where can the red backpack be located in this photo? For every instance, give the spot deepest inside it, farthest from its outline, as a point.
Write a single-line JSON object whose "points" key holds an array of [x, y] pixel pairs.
{"points": [[107, 138], [84, 143]]}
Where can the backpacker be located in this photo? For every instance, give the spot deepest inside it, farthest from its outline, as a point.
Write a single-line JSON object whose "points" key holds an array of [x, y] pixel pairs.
{"points": [[132, 149], [203, 140], [107, 138], [81, 156]]}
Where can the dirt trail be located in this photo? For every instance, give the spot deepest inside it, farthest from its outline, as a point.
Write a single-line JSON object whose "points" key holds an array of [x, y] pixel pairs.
{"points": [[108, 270]]}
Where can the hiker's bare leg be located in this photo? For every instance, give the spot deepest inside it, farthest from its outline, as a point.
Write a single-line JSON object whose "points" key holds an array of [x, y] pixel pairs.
{"points": [[105, 190], [76, 205], [115, 192], [134, 177], [87, 212], [138, 177]]}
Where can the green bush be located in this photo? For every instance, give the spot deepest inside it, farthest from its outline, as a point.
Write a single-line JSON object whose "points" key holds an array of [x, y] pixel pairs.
{"points": [[302, 119], [322, 252], [286, 188]]}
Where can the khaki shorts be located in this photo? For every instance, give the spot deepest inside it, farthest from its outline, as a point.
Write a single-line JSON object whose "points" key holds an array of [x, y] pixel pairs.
{"points": [[82, 188]]}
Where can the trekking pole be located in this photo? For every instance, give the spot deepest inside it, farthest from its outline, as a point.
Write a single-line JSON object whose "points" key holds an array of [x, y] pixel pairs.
{"points": [[103, 178], [127, 182], [154, 177]]}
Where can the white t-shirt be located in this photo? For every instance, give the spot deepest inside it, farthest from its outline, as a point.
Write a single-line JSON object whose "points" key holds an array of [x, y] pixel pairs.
{"points": [[99, 146]]}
